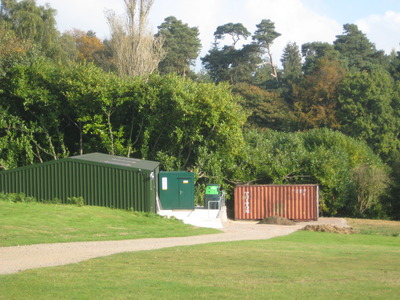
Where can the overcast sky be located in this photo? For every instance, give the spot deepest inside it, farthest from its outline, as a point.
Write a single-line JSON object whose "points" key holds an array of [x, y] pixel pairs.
{"points": [[298, 21]]}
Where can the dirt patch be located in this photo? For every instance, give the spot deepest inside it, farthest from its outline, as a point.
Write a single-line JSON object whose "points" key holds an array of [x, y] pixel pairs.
{"points": [[330, 228], [276, 220]]}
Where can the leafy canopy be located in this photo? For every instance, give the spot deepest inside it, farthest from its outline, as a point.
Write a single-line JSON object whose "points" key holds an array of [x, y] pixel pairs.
{"points": [[181, 44]]}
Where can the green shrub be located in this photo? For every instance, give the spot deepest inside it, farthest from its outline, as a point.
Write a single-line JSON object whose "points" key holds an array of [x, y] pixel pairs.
{"points": [[16, 197], [78, 201]]}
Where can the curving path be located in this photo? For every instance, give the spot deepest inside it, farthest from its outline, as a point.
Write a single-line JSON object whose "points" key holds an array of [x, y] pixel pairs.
{"points": [[19, 258]]}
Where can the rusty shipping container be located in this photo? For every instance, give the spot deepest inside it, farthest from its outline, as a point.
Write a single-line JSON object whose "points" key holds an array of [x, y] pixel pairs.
{"points": [[294, 202]]}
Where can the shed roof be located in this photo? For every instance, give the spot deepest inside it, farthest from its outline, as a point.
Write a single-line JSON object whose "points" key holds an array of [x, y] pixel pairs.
{"points": [[118, 161]]}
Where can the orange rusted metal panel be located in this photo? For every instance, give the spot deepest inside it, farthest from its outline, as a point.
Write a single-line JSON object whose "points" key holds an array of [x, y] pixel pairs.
{"points": [[297, 202]]}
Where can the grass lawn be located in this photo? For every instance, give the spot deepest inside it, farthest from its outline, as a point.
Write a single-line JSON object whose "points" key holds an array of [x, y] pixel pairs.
{"points": [[32, 223], [303, 265]]}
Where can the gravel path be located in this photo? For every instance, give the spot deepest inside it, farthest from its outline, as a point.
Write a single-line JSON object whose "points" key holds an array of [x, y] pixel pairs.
{"points": [[19, 258]]}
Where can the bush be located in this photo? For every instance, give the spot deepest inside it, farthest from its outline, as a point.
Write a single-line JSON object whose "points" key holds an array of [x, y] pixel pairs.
{"points": [[16, 197], [78, 201]]}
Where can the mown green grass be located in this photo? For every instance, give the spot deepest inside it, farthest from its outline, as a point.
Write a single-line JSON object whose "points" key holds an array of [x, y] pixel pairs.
{"points": [[304, 265], [32, 223]]}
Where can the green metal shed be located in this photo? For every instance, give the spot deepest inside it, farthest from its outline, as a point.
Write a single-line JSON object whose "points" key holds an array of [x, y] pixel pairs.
{"points": [[101, 179], [176, 190]]}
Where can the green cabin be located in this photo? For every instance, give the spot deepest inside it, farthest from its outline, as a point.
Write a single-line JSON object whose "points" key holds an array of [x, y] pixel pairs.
{"points": [[101, 179]]}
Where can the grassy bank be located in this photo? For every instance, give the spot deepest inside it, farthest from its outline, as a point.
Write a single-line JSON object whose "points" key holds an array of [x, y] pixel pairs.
{"points": [[32, 223]]}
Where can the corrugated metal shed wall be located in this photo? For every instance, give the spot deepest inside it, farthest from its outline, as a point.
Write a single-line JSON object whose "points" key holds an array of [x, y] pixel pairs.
{"points": [[99, 184], [295, 202]]}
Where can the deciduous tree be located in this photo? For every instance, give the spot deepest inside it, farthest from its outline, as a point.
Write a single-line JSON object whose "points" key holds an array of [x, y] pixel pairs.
{"points": [[135, 49], [35, 23], [316, 95], [368, 109], [31, 97], [16, 141], [370, 183], [314, 51], [87, 43], [267, 109], [12, 48]]}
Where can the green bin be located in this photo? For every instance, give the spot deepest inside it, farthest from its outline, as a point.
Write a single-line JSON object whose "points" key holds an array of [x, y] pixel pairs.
{"points": [[213, 194]]}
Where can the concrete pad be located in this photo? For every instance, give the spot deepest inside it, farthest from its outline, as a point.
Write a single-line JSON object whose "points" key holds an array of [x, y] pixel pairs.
{"points": [[200, 217]]}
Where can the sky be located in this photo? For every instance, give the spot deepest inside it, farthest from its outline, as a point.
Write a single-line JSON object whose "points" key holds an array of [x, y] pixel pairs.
{"points": [[299, 21]]}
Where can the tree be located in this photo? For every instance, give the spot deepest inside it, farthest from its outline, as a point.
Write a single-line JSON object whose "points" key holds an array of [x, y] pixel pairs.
{"points": [[16, 143], [91, 98], [292, 70], [368, 109], [315, 96], [12, 49], [104, 57], [181, 45], [218, 62], [136, 51], [355, 47], [236, 31], [267, 109], [30, 97], [314, 51], [35, 23], [87, 44], [236, 65], [264, 37], [68, 46], [394, 66], [228, 63], [182, 119], [370, 183], [291, 62]]}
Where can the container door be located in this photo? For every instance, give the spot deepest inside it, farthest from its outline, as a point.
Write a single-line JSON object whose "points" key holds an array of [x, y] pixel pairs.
{"points": [[186, 193]]}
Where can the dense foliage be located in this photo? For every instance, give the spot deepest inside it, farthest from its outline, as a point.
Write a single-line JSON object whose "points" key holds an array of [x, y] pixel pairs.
{"points": [[350, 175], [69, 110], [329, 116]]}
